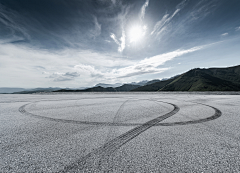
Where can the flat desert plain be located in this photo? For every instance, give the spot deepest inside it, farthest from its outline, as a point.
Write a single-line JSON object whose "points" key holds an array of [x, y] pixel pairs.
{"points": [[120, 132]]}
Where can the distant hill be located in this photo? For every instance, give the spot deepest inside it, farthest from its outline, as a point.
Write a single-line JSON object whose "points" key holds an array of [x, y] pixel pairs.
{"points": [[123, 88], [152, 81], [11, 90], [145, 82], [108, 85], [126, 87], [37, 90], [141, 83], [154, 86], [212, 79]]}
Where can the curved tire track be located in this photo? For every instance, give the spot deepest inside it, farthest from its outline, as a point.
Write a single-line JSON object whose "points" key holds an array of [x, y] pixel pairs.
{"points": [[103, 152], [96, 158], [216, 115], [116, 119]]}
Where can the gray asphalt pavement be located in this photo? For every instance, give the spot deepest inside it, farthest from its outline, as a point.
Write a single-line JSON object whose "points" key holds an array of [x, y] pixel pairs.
{"points": [[120, 132]]}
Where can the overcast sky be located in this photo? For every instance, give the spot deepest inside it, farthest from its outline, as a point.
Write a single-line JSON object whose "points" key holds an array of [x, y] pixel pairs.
{"points": [[79, 43]]}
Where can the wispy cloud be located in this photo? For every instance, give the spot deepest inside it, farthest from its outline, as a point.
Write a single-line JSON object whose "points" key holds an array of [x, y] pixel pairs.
{"points": [[121, 43], [237, 28], [224, 34], [39, 67], [8, 18], [122, 46], [59, 77], [84, 68], [151, 65], [88, 70], [160, 25], [113, 36], [97, 28], [143, 9], [202, 9], [72, 74], [79, 67]]}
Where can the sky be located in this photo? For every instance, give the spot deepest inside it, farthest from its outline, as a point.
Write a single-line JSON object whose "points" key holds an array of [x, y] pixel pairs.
{"points": [[80, 43]]}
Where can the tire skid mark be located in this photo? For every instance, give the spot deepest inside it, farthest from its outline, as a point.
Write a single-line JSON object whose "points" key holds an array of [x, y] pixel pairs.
{"points": [[112, 130], [150, 110], [77, 99], [116, 119], [25, 112], [76, 105], [100, 155], [216, 115], [109, 147]]}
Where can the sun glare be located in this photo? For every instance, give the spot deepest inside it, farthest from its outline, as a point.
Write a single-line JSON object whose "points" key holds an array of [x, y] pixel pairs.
{"points": [[136, 33]]}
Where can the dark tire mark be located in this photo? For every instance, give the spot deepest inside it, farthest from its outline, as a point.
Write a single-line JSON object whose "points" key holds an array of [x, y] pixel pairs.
{"points": [[112, 130], [116, 119], [100, 155], [153, 112], [216, 115], [108, 148]]}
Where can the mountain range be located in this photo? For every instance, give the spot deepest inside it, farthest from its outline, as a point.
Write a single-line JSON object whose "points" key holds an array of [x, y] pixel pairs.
{"points": [[123, 88], [212, 79]]}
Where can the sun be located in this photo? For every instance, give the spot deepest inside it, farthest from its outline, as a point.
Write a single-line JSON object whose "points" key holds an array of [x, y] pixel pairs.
{"points": [[136, 33]]}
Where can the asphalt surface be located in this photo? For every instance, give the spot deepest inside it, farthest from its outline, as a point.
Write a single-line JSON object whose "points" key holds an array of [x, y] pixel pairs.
{"points": [[120, 132]]}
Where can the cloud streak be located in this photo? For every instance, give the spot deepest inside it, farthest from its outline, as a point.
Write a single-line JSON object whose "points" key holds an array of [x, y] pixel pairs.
{"points": [[151, 65], [224, 34], [143, 9], [97, 30], [8, 18], [121, 43], [161, 25], [59, 77]]}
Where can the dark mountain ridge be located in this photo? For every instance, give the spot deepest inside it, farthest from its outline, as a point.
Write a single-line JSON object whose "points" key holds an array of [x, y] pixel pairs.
{"points": [[123, 88], [212, 79]]}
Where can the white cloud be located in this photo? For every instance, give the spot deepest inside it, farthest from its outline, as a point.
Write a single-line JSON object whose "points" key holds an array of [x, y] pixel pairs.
{"points": [[225, 34], [237, 28], [143, 9], [88, 70], [58, 77], [113, 36], [181, 5], [122, 46], [29, 67], [36, 68], [161, 25], [121, 43], [150, 65]]}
